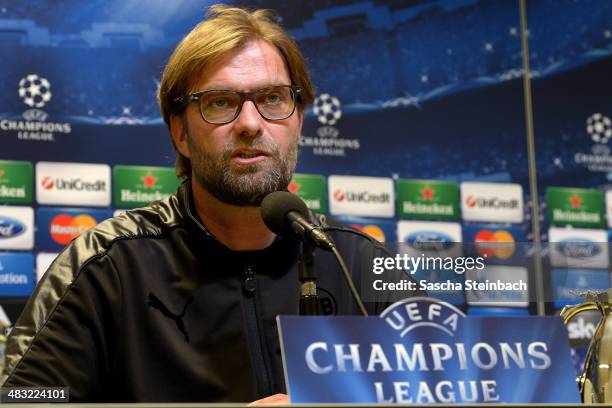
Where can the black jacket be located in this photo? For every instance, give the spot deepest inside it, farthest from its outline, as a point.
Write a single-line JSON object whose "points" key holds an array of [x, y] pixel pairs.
{"points": [[149, 306]]}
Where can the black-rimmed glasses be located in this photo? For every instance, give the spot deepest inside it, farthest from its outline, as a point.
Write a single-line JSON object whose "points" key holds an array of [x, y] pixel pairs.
{"points": [[223, 106]]}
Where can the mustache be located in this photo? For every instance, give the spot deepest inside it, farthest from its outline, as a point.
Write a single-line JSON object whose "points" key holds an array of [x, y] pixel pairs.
{"points": [[266, 146]]}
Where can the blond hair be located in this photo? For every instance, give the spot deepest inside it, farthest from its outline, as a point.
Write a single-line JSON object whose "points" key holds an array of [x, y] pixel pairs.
{"points": [[225, 29]]}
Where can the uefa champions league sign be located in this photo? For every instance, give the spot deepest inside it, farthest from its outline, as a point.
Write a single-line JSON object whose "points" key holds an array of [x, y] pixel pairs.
{"points": [[423, 350]]}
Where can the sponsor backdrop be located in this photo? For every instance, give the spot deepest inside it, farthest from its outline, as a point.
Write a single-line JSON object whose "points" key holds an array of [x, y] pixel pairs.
{"points": [[418, 132]]}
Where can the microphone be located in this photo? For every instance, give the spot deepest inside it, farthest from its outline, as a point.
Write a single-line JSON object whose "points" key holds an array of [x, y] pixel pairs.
{"points": [[285, 213]]}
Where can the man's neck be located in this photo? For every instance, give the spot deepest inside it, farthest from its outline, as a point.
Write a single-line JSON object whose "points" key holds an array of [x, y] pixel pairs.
{"points": [[238, 228]]}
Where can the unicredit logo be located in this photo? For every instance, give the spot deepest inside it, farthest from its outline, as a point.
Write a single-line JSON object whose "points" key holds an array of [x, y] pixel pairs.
{"points": [[491, 202], [339, 195], [73, 184], [361, 197], [47, 183]]}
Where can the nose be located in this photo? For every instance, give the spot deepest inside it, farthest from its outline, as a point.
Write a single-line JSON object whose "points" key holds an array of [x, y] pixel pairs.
{"points": [[249, 121]]}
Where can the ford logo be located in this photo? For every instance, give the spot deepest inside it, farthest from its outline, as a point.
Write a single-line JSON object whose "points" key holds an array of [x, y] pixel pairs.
{"points": [[10, 227], [429, 241], [578, 248]]}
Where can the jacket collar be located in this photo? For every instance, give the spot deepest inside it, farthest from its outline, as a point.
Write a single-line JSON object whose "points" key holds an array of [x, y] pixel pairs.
{"points": [[282, 252]]}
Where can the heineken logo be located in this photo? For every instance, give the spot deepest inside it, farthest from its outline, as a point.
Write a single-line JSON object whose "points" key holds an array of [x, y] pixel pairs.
{"points": [[12, 192], [149, 180], [293, 187], [428, 207], [427, 199], [435, 209], [577, 207], [427, 193], [139, 196], [571, 216], [15, 182], [136, 186], [311, 189], [313, 204]]}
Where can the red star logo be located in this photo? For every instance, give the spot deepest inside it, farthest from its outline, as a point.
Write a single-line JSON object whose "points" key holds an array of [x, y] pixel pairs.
{"points": [[427, 193], [575, 201], [293, 187], [149, 181]]}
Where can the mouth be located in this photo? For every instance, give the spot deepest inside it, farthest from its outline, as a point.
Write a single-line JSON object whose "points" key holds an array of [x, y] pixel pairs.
{"points": [[249, 156]]}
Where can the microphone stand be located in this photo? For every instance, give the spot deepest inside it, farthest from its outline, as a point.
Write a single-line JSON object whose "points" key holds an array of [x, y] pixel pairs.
{"points": [[307, 275]]}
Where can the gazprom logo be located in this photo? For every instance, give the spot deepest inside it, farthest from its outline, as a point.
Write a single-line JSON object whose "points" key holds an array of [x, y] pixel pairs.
{"points": [[578, 248], [410, 314], [10, 227], [429, 240]]}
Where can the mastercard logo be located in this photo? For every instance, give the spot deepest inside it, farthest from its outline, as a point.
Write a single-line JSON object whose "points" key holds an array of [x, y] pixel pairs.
{"points": [[372, 230], [498, 244], [64, 227]]}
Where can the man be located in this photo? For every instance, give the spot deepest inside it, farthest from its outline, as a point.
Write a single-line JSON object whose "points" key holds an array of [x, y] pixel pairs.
{"points": [[177, 301]]}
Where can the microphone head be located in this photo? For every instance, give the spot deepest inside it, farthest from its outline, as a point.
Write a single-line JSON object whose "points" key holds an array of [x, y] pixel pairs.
{"points": [[275, 207]]}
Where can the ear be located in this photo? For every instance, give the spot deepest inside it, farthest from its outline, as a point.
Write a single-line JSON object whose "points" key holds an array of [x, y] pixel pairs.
{"points": [[179, 134]]}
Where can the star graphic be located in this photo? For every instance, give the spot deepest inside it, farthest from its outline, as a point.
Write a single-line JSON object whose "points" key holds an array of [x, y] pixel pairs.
{"points": [[427, 193], [126, 110], [2, 172], [149, 180], [575, 201], [293, 187]]}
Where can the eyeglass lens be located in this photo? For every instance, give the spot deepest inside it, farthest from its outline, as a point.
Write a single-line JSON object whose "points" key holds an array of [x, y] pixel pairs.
{"points": [[273, 103]]}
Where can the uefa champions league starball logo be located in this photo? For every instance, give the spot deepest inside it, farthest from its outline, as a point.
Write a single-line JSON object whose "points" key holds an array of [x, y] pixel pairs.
{"points": [[35, 91], [327, 109], [599, 127]]}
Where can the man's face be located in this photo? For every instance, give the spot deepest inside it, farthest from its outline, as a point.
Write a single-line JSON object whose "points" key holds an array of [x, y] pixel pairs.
{"points": [[241, 162]]}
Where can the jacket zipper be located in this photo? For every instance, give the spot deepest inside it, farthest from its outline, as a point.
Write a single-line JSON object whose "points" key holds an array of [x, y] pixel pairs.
{"points": [[254, 333]]}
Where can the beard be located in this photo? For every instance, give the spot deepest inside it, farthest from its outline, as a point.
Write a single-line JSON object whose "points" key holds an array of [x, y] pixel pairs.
{"points": [[245, 186]]}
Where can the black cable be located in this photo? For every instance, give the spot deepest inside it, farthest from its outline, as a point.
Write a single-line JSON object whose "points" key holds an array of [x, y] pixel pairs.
{"points": [[349, 281]]}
